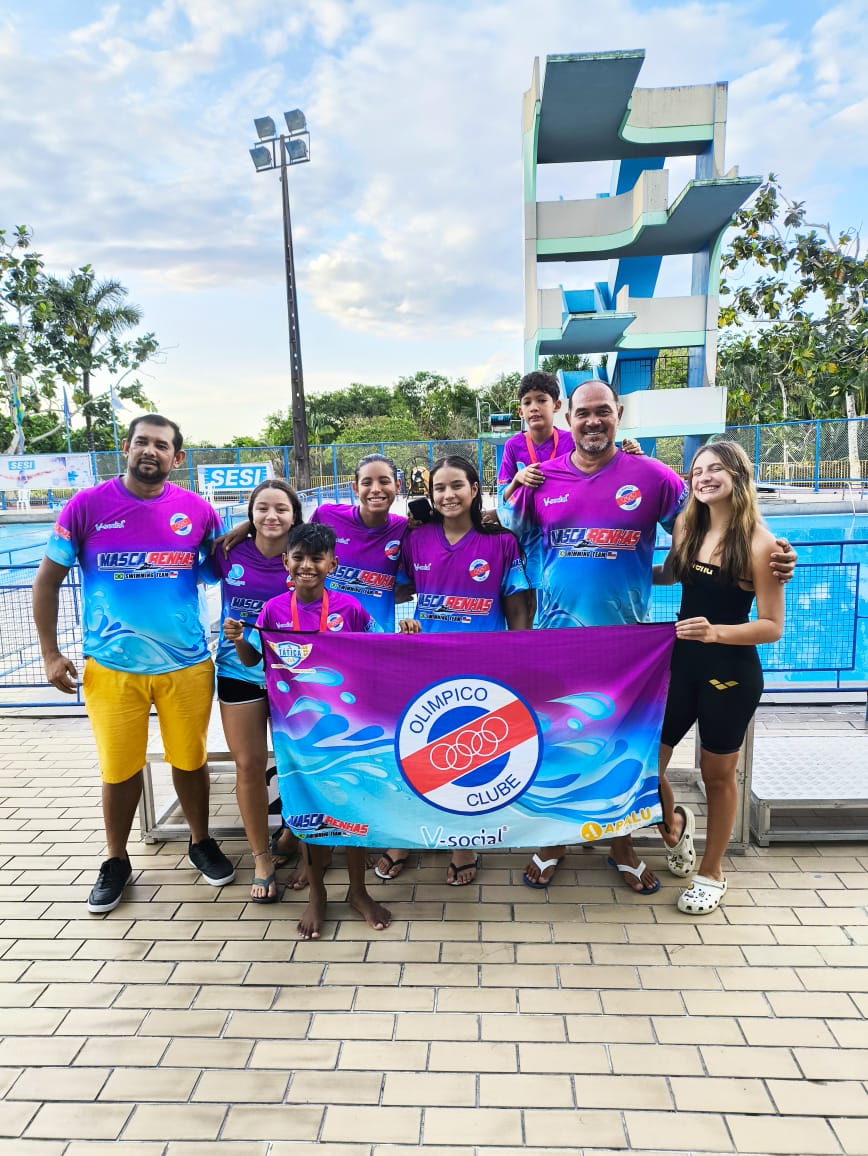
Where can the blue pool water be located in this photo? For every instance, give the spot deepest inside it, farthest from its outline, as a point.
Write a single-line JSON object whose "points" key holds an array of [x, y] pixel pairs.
{"points": [[30, 537], [825, 641], [22, 543]]}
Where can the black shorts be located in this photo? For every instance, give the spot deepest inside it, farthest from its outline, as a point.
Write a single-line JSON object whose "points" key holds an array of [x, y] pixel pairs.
{"points": [[716, 686], [233, 691]]}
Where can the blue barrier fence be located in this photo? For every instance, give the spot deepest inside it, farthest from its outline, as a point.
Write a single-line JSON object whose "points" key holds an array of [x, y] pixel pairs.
{"points": [[824, 645], [804, 454]]}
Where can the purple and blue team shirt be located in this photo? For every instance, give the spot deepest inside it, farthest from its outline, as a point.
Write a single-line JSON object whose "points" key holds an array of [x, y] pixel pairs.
{"points": [[589, 538], [462, 587], [369, 559], [345, 614], [140, 564], [248, 580], [515, 455]]}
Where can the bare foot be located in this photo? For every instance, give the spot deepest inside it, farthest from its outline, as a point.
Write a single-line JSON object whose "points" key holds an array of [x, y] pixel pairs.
{"points": [[676, 829], [536, 876], [298, 879], [373, 913], [313, 916], [624, 853]]}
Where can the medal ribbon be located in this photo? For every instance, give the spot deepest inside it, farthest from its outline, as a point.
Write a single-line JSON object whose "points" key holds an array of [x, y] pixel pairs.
{"points": [[324, 613], [531, 448]]}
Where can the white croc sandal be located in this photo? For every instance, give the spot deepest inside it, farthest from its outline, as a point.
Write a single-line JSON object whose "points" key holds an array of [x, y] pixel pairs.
{"points": [[681, 859], [703, 896]]}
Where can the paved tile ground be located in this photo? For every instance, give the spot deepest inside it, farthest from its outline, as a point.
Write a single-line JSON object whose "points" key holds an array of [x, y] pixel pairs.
{"points": [[489, 1019]]}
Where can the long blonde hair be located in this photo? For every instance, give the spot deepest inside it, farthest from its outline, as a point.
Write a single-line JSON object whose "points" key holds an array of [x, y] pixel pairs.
{"points": [[735, 552]]}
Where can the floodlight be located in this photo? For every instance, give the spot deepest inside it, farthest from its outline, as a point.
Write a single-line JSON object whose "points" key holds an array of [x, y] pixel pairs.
{"points": [[265, 127], [294, 147], [295, 121], [262, 158], [296, 150]]}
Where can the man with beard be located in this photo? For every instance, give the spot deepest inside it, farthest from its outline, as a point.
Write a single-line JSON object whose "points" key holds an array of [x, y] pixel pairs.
{"points": [[589, 533], [138, 540]]}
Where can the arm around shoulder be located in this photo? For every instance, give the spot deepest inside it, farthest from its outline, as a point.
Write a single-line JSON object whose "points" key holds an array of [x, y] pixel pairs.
{"points": [[769, 590], [663, 574]]}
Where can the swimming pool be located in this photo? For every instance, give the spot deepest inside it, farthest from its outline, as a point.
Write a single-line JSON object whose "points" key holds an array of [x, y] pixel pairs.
{"points": [[825, 641], [23, 543]]}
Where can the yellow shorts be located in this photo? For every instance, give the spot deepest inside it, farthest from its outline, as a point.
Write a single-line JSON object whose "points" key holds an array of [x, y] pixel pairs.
{"points": [[118, 705]]}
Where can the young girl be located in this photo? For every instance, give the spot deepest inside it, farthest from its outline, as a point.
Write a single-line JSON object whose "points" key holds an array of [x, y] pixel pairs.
{"points": [[311, 608], [469, 576], [369, 540], [250, 575], [720, 554]]}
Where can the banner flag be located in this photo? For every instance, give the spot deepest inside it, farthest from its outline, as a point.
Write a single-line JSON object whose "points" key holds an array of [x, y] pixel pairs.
{"points": [[441, 741], [46, 471]]}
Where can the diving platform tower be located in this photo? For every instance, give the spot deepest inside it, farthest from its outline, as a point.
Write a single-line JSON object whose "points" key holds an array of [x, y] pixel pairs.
{"points": [[589, 110]]}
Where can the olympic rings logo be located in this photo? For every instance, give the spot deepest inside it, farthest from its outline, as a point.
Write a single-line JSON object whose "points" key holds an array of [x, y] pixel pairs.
{"points": [[482, 742]]}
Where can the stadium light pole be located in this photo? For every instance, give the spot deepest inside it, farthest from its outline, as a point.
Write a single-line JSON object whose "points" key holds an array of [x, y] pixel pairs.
{"points": [[280, 151]]}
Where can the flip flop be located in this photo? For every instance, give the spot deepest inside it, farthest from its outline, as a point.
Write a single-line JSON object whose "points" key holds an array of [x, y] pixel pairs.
{"points": [[542, 866], [703, 896], [454, 868], [681, 859], [267, 883], [393, 863], [637, 873]]}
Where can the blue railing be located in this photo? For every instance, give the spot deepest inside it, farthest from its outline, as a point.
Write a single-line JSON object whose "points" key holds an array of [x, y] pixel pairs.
{"points": [[814, 455], [824, 646]]}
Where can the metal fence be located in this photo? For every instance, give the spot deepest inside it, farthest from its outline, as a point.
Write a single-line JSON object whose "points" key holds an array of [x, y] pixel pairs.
{"points": [[815, 455], [824, 646], [22, 675], [808, 454], [332, 467]]}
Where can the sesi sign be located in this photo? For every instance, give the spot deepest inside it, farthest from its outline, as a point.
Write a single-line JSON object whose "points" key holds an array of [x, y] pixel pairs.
{"points": [[232, 477]]}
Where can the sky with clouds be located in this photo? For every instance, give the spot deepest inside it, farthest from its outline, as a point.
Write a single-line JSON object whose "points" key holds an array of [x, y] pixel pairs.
{"points": [[125, 131]]}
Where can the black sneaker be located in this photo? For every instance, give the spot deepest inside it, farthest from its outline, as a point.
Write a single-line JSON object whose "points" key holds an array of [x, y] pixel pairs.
{"points": [[210, 860], [108, 890]]}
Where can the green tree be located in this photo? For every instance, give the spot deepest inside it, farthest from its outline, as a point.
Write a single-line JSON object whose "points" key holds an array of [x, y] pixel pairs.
{"points": [[25, 381], [797, 291], [328, 413], [670, 369], [442, 408], [79, 336], [364, 430], [502, 395], [568, 362], [277, 430]]}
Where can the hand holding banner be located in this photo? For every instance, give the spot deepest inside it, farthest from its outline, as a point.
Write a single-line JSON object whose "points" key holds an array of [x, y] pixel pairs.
{"points": [[522, 739]]}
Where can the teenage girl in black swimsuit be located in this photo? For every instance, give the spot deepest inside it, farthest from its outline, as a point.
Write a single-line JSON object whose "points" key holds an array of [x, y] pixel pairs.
{"points": [[720, 551]]}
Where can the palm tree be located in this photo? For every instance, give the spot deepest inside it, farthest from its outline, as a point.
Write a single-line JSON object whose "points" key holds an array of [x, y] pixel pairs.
{"points": [[83, 327]]}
